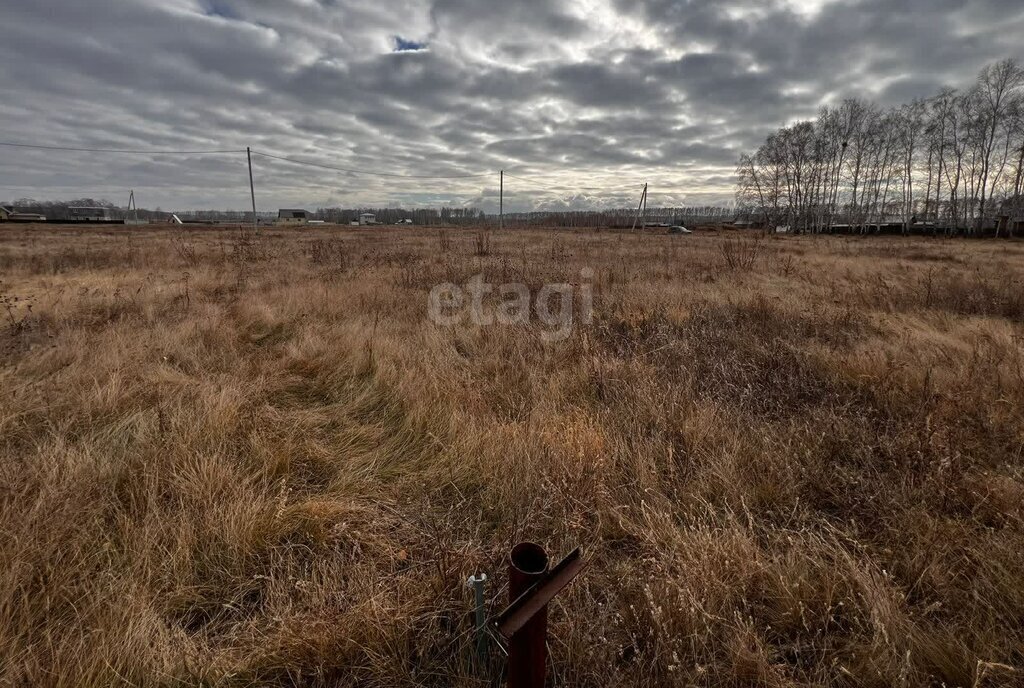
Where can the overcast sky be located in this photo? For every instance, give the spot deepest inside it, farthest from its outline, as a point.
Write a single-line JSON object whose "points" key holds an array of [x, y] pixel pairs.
{"points": [[585, 98]]}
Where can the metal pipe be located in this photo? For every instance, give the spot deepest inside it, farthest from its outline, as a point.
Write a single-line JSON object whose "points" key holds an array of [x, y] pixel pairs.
{"points": [[537, 596], [527, 648]]}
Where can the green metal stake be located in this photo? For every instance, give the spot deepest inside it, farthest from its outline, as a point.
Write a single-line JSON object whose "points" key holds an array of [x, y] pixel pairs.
{"points": [[477, 583]]}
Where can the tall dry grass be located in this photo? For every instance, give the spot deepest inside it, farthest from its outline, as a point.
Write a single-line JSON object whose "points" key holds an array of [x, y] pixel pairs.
{"points": [[230, 460]]}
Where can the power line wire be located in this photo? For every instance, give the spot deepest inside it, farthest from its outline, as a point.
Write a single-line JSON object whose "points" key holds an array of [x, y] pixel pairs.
{"points": [[118, 150], [368, 172], [549, 184], [523, 179]]}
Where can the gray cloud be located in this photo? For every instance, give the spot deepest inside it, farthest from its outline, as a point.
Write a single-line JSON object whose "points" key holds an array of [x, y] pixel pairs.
{"points": [[584, 98]]}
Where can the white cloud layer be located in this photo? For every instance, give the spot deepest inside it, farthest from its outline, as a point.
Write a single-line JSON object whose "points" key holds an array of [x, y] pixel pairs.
{"points": [[588, 99]]}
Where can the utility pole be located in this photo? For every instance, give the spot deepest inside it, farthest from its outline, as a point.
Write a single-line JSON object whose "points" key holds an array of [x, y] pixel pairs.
{"points": [[131, 206], [642, 204], [501, 201], [252, 190]]}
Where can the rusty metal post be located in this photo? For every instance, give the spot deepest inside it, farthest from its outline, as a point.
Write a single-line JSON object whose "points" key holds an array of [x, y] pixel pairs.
{"points": [[527, 648], [524, 623]]}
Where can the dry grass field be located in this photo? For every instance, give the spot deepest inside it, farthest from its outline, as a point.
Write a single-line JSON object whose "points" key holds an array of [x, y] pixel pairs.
{"points": [[233, 461]]}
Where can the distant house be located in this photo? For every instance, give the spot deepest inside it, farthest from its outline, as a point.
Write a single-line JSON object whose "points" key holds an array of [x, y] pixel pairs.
{"points": [[746, 220], [1011, 216], [292, 216], [89, 214], [26, 217], [367, 219], [5, 213], [1009, 223]]}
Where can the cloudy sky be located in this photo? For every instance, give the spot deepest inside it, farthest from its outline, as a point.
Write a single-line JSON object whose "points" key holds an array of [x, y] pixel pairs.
{"points": [[581, 100]]}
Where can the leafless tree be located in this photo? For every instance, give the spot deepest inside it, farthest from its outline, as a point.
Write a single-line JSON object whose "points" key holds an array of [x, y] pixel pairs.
{"points": [[946, 160]]}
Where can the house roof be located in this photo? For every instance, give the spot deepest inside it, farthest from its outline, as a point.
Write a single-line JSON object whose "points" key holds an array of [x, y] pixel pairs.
{"points": [[1013, 206]]}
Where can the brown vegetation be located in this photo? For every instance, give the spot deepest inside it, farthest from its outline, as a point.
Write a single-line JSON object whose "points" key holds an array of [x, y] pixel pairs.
{"points": [[230, 461]]}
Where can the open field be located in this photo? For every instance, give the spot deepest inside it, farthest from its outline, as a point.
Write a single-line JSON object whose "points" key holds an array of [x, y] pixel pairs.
{"points": [[794, 461]]}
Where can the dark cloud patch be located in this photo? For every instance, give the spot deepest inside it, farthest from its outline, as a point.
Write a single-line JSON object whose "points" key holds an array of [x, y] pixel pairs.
{"points": [[508, 19], [217, 8], [907, 88], [597, 84]]}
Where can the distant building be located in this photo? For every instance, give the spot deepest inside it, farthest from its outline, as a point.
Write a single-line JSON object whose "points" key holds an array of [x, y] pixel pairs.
{"points": [[11, 214], [87, 214], [1011, 215], [25, 217], [1009, 223], [367, 219], [292, 216], [746, 220]]}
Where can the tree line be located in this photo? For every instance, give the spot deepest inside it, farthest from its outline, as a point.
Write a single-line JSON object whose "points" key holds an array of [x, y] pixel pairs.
{"points": [[446, 215], [620, 217], [953, 162], [59, 210]]}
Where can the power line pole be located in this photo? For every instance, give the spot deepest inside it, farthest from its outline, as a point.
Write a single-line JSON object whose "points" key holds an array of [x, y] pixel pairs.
{"points": [[501, 201], [131, 205], [252, 190], [642, 204]]}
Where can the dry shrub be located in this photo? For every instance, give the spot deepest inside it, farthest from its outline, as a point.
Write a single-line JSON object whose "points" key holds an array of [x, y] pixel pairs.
{"points": [[330, 253], [444, 242], [482, 243], [741, 253]]}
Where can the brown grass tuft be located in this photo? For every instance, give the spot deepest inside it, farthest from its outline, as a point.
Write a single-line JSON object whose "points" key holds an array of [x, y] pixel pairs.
{"points": [[239, 460]]}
